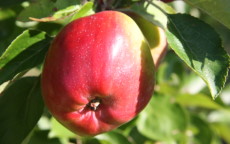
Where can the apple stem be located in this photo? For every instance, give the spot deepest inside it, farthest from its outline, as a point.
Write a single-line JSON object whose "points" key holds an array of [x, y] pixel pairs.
{"points": [[93, 104]]}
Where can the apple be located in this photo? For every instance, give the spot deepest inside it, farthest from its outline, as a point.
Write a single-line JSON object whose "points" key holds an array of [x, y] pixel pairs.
{"points": [[154, 35], [98, 73], [160, 45]]}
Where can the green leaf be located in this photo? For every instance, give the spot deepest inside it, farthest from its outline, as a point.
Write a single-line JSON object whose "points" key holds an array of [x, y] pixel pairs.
{"points": [[171, 71], [113, 137], [26, 51], [21, 106], [162, 119], [7, 18], [9, 38], [218, 9], [127, 127], [22, 42], [138, 137], [8, 30], [51, 29], [197, 100], [85, 10], [203, 133], [48, 10], [89, 140], [41, 137], [223, 131], [8, 3], [58, 130], [151, 12], [199, 46]]}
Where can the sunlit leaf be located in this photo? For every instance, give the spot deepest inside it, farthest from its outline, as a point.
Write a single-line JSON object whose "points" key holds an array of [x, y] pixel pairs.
{"points": [[112, 137], [26, 51], [162, 119], [58, 130], [85, 10], [198, 101], [223, 130], [199, 46], [153, 14], [218, 9]]}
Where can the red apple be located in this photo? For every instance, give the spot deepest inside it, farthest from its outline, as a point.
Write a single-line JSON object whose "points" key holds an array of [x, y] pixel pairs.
{"points": [[98, 73]]}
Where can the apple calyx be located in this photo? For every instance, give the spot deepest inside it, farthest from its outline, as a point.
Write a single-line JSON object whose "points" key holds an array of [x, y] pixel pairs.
{"points": [[93, 104]]}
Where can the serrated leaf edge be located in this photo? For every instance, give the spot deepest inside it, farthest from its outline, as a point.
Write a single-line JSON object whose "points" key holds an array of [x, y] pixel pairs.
{"points": [[214, 96]]}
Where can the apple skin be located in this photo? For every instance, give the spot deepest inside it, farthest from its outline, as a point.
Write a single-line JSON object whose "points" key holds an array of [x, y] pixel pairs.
{"points": [[154, 35], [98, 73]]}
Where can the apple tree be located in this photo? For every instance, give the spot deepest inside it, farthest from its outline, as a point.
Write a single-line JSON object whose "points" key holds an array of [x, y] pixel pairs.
{"points": [[180, 47]]}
